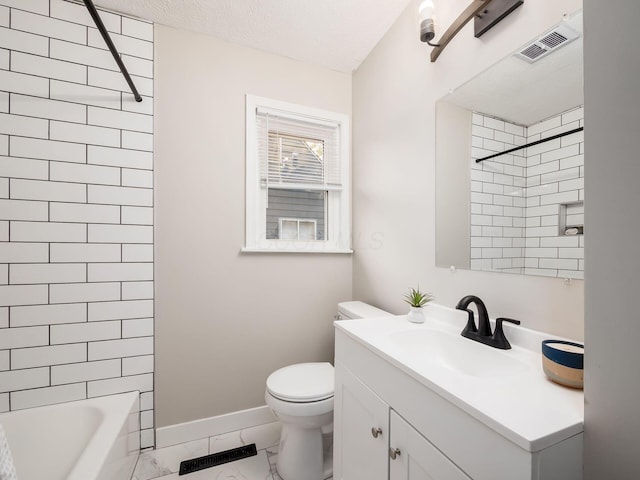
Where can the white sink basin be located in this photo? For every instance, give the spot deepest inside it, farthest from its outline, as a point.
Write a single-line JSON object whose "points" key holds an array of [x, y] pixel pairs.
{"points": [[457, 353]]}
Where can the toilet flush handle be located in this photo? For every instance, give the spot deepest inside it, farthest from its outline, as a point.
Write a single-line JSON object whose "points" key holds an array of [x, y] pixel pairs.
{"points": [[375, 431]]}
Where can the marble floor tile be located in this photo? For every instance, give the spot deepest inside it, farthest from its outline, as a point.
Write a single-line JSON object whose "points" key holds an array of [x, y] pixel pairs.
{"points": [[263, 436], [272, 455], [163, 461], [252, 468]]}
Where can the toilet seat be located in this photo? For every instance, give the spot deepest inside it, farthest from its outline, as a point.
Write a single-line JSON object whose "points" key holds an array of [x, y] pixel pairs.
{"points": [[302, 383]]}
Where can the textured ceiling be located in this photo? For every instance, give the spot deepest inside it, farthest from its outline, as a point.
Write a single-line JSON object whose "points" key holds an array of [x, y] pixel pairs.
{"points": [[337, 34]]}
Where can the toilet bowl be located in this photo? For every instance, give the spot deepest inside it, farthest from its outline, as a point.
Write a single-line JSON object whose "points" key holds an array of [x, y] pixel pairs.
{"points": [[301, 396]]}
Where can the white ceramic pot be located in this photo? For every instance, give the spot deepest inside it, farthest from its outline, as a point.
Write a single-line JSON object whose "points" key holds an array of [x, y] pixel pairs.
{"points": [[416, 315]]}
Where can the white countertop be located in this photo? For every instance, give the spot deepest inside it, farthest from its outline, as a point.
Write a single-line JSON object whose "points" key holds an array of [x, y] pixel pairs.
{"points": [[522, 405]]}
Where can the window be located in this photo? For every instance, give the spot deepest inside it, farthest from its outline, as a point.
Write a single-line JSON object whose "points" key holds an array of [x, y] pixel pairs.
{"points": [[297, 178], [297, 229]]}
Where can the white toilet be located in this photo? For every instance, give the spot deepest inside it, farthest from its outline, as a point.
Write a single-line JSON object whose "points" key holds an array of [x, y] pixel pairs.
{"points": [[301, 396]]}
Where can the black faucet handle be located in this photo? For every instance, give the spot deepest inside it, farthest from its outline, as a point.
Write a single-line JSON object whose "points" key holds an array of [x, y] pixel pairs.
{"points": [[504, 319], [499, 340]]}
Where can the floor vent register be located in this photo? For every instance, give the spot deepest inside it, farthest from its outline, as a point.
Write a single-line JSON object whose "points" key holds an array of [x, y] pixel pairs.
{"points": [[215, 459]]}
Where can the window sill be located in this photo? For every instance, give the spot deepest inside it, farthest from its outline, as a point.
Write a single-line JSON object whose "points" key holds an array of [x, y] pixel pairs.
{"points": [[294, 250]]}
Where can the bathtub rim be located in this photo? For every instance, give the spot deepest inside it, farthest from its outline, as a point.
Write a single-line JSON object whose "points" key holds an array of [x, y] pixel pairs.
{"points": [[96, 453], [115, 411]]}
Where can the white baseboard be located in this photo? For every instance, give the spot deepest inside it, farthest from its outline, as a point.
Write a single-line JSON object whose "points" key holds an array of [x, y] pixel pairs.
{"points": [[209, 427]]}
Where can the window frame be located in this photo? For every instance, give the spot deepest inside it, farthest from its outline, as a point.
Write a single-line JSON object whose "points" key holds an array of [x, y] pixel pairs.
{"points": [[338, 212]]}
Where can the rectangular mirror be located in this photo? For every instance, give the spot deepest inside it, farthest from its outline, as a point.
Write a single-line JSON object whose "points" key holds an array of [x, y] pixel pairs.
{"points": [[521, 211]]}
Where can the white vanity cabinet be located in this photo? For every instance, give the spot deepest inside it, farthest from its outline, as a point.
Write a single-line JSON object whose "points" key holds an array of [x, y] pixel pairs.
{"points": [[379, 408], [362, 419], [378, 444], [415, 457]]}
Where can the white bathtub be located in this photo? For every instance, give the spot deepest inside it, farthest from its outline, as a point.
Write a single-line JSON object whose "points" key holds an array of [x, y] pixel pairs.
{"points": [[95, 439]]}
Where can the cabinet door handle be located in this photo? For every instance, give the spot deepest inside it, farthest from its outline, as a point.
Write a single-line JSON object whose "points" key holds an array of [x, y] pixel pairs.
{"points": [[394, 452], [376, 431]]}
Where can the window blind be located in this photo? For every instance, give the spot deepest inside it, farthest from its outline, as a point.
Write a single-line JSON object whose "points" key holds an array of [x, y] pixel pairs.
{"points": [[297, 152]]}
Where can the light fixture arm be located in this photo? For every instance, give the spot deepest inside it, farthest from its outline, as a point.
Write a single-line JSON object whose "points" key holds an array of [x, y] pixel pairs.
{"points": [[471, 11]]}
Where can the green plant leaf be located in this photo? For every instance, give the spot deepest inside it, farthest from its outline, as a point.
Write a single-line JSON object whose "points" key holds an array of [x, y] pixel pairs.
{"points": [[416, 298]]}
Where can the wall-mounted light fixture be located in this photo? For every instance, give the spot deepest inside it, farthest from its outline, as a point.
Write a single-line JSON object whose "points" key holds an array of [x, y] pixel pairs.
{"points": [[427, 26], [486, 16]]}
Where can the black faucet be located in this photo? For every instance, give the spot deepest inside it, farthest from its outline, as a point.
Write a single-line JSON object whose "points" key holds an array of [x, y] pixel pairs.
{"points": [[482, 333]]}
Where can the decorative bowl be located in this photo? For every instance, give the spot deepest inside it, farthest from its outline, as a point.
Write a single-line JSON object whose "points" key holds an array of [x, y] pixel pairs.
{"points": [[563, 362]]}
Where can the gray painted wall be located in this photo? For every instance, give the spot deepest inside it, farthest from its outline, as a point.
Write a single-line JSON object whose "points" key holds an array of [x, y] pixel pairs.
{"points": [[394, 170], [453, 225], [226, 319], [612, 116]]}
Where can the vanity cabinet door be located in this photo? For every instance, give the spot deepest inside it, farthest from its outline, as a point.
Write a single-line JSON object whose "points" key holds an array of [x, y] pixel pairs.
{"points": [[415, 457], [361, 430]]}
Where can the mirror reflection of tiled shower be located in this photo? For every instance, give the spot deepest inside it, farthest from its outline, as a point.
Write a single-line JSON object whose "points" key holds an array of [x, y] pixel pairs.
{"points": [[527, 207]]}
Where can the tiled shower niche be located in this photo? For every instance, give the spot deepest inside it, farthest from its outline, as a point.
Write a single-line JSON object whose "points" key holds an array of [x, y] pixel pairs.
{"points": [[527, 207]]}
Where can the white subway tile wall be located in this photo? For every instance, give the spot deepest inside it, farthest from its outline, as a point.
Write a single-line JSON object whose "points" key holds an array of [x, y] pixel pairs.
{"points": [[497, 195], [523, 202], [76, 208]]}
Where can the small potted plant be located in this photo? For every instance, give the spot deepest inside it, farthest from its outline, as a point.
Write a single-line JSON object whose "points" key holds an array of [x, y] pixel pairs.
{"points": [[416, 300]]}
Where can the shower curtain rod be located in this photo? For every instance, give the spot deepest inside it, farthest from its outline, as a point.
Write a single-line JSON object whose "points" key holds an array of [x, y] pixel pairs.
{"points": [[107, 39], [575, 130]]}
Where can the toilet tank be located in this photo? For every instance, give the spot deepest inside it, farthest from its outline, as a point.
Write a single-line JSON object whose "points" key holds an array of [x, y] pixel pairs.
{"points": [[349, 310]]}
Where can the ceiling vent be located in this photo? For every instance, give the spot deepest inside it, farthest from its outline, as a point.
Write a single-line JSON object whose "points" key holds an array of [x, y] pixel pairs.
{"points": [[548, 43]]}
